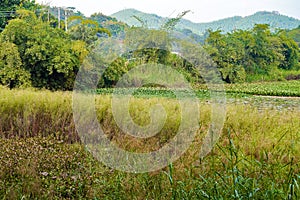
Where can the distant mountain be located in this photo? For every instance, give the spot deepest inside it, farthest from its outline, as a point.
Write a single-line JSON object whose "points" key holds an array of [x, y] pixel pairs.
{"points": [[274, 19], [152, 20]]}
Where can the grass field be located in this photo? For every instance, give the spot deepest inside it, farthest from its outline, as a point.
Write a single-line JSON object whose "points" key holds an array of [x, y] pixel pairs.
{"points": [[257, 156]]}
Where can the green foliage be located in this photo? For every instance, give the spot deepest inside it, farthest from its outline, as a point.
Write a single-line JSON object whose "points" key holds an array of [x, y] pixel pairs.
{"points": [[49, 58], [290, 53], [295, 35], [150, 46], [9, 7], [255, 52], [276, 89], [285, 88], [12, 73], [114, 72], [197, 38], [115, 27], [46, 53], [86, 30], [100, 18], [227, 52]]}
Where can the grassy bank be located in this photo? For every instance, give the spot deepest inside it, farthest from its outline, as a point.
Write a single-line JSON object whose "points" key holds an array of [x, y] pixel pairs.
{"points": [[257, 157]]}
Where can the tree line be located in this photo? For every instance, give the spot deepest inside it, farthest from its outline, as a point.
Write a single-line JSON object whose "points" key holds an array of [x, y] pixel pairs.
{"points": [[243, 54], [34, 52]]}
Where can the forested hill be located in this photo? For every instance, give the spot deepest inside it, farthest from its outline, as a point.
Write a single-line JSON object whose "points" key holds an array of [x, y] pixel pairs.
{"points": [[274, 19]]}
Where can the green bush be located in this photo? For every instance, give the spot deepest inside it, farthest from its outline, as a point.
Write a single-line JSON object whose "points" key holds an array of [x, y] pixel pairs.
{"points": [[12, 73]]}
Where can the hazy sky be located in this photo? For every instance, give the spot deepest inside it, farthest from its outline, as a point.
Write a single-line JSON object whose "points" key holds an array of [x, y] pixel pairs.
{"points": [[202, 10]]}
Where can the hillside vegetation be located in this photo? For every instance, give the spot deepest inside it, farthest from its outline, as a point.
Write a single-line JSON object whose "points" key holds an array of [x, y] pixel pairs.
{"points": [[274, 19], [36, 51], [295, 34]]}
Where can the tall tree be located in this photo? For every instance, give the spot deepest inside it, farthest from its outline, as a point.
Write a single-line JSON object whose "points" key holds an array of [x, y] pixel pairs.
{"points": [[228, 53], [290, 52], [48, 54], [86, 30], [12, 73]]}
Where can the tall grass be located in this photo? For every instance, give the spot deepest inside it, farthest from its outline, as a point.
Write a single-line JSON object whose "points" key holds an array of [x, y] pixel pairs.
{"points": [[41, 157], [29, 113]]}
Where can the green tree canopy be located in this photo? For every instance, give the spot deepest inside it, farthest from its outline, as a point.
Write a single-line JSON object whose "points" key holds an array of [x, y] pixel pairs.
{"points": [[48, 54], [257, 51], [12, 73], [9, 7]]}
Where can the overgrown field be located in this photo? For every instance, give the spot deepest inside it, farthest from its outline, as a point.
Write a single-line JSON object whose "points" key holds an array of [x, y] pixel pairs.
{"points": [[41, 156]]}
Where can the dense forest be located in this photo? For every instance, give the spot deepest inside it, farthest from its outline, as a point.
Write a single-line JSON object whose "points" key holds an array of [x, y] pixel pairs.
{"points": [[43, 51]]}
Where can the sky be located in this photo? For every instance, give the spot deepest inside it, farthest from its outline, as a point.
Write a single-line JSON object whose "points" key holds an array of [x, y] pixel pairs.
{"points": [[201, 10]]}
